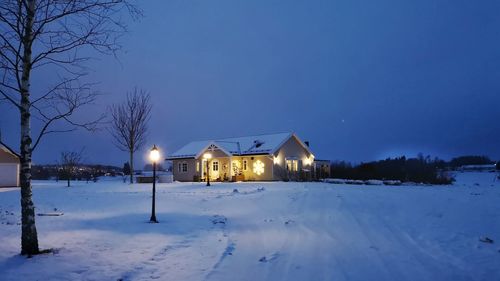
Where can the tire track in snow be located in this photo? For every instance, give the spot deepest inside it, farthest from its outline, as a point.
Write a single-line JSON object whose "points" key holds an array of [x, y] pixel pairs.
{"points": [[377, 229], [228, 251], [304, 257]]}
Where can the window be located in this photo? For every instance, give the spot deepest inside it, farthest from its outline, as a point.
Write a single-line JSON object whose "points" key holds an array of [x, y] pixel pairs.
{"points": [[215, 166], [292, 165], [197, 166], [182, 167], [245, 165]]}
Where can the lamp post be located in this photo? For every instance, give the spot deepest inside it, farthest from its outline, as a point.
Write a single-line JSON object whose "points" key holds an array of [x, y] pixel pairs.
{"points": [[207, 157], [154, 156]]}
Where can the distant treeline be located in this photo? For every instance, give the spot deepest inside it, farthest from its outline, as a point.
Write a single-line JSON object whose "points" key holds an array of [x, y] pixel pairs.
{"points": [[81, 172], [469, 160], [420, 169]]}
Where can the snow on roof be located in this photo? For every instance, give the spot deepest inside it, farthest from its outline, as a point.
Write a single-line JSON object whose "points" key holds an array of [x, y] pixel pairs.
{"points": [[260, 144], [190, 149]]}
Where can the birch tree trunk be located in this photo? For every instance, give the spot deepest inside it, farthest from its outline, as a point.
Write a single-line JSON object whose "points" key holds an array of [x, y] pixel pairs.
{"points": [[29, 238], [56, 31]]}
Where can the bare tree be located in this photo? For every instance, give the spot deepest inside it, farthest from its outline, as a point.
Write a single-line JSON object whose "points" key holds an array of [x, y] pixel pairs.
{"points": [[129, 124], [69, 162], [51, 36]]}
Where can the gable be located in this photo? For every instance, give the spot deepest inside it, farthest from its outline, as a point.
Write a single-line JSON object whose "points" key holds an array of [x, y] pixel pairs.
{"points": [[215, 150], [294, 147]]}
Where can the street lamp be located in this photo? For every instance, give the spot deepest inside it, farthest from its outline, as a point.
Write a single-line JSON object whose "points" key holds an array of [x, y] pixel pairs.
{"points": [[207, 157], [154, 156]]}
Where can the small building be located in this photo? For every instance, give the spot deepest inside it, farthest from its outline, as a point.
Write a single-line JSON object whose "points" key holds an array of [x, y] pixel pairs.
{"points": [[321, 169], [9, 168], [269, 157]]}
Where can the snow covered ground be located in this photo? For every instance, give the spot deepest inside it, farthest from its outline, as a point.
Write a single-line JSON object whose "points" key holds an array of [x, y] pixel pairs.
{"points": [[265, 231]]}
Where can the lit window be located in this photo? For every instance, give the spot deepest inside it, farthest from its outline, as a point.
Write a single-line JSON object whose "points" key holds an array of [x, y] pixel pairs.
{"points": [[215, 166], [245, 165], [292, 165]]}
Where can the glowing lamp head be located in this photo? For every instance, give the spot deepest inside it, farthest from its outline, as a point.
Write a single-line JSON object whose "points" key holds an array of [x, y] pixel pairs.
{"points": [[154, 154], [207, 156]]}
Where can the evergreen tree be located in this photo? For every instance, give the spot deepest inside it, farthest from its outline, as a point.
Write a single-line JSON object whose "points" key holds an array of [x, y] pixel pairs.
{"points": [[126, 168]]}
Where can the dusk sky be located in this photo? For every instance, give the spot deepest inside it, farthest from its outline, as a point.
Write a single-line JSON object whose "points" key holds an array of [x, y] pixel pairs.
{"points": [[360, 80]]}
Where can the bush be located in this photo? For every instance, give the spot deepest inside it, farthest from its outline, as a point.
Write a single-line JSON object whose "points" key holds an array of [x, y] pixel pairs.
{"points": [[420, 170], [470, 160]]}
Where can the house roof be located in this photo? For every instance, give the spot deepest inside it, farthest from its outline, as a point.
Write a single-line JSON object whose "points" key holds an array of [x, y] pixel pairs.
{"points": [[7, 150], [249, 145]]}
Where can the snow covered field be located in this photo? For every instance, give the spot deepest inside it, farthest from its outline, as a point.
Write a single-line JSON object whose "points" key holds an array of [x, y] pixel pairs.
{"points": [[265, 231]]}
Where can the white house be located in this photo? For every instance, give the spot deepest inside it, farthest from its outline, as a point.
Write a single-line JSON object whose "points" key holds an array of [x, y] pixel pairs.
{"points": [[269, 157], [9, 168]]}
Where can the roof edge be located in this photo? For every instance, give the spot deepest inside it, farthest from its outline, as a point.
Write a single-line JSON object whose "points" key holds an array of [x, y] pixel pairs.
{"points": [[10, 150]]}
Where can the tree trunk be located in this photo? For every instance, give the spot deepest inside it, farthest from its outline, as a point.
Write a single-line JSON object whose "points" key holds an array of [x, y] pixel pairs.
{"points": [[29, 238], [69, 178], [131, 167]]}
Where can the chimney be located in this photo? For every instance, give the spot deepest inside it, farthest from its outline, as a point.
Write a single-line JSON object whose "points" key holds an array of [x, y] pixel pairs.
{"points": [[307, 143]]}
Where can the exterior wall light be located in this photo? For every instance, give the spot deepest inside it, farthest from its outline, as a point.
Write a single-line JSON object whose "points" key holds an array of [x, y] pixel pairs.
{"points": [[276, 160]]}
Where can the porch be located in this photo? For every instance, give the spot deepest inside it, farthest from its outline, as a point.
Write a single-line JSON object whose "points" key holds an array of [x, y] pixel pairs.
{"points": [[222, 169]]}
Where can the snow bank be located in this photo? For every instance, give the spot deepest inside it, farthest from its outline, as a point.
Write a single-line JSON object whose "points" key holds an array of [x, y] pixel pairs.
{"points": [[366, 182]]}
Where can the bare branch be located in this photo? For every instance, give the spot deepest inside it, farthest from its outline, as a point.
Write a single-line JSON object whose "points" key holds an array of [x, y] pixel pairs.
{"points": [[129, 121], [61, 105]]}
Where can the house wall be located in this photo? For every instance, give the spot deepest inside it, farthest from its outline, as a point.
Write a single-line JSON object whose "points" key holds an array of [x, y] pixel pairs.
{"points": [[9, 169], [291, 149], [184, 176], [225, 168], [250, 174]]}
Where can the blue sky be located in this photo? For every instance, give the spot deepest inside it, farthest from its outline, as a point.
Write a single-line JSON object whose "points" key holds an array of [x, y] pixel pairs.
{"points": [[361, 80]]}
